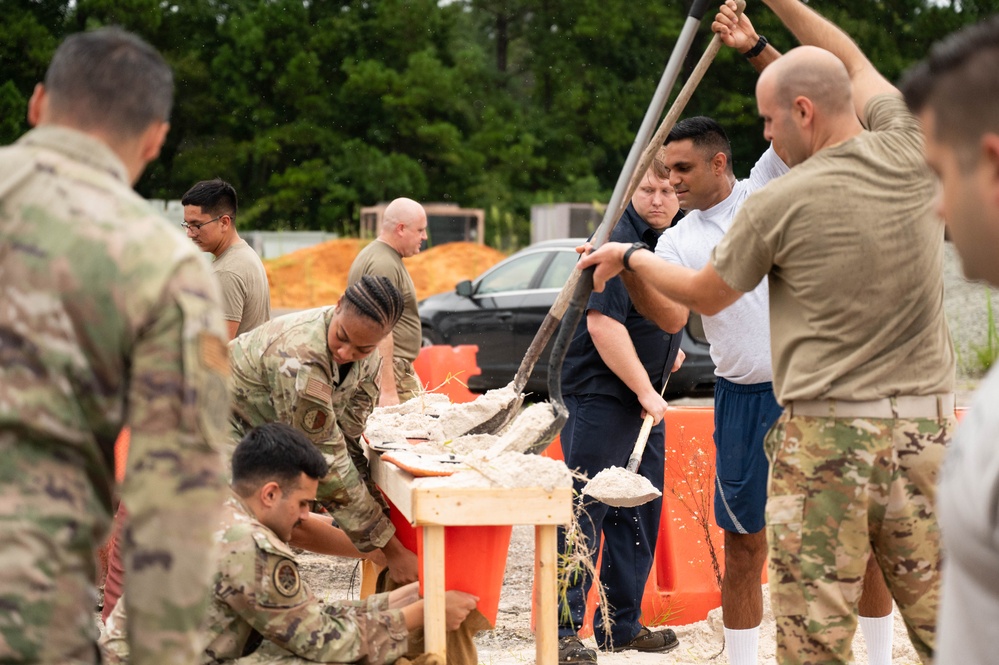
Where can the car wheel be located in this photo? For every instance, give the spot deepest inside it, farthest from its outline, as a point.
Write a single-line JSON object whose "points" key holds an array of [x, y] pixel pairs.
{"points": [[431, 337]]}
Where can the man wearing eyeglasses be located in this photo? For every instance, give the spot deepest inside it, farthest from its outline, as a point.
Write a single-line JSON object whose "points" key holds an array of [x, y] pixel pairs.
{"points": [[210, 220]]}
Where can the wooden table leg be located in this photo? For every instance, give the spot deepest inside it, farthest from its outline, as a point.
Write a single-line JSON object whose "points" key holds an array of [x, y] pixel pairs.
{"points": [[546, 600], [434, 621]]}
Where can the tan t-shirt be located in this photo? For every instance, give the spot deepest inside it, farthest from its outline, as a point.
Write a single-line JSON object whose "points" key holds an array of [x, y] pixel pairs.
{"points": [[854, 254], [246, 296], [380, 260]]}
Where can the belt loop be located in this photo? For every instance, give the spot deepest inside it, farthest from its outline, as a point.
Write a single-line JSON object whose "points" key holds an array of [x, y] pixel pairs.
{"points": [[893, 401]]}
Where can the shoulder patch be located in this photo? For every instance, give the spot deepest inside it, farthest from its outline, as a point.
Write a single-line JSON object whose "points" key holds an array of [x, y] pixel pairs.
{"points": [[286, 579], [317, 389], [314, 420]]}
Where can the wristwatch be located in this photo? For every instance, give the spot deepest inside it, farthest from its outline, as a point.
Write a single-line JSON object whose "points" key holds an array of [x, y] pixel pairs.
{"points": [[628, 252]]}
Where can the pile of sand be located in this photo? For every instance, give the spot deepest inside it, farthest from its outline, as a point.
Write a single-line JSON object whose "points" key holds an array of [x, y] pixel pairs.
{"points": [[317, 275]]}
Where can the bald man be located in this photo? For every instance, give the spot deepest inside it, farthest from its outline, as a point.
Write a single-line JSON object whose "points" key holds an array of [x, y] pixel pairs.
{"points": [[403, 230], [862, 357]]}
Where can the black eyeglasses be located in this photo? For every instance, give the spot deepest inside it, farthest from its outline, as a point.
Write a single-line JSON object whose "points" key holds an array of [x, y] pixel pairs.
{"points": [[197, 227]]}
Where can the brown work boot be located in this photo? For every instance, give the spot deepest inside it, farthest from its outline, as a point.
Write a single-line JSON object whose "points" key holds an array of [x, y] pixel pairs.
{"points": [[572, 651]]}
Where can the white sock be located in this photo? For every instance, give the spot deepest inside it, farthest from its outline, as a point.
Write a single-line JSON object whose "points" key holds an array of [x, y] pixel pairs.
{"points": [[878, 633], [742, 645]]}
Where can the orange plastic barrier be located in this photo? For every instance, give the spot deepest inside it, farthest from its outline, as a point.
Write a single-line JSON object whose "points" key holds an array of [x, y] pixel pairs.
{"points": [[474, 559], [445, 369]]}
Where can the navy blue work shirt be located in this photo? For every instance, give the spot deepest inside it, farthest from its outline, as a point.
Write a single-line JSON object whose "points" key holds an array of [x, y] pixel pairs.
{"points": [[584, 371]]}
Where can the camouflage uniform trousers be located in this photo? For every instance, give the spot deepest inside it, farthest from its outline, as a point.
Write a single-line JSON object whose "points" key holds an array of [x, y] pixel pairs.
{"points": [[840, 488], [407, 383], [51, 523]]}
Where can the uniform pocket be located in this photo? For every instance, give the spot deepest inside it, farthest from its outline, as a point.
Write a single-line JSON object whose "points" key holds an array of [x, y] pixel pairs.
{"points": [[785, 515]]}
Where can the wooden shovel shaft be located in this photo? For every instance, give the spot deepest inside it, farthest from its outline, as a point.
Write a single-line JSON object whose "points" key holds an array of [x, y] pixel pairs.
{"points": [[643, 437]]}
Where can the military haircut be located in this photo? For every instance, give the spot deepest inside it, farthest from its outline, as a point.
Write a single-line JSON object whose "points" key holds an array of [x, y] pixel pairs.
{"points": [[275, 452], [216, 197], [959, 82], [376, 298], [111, 80], [704, 133]]}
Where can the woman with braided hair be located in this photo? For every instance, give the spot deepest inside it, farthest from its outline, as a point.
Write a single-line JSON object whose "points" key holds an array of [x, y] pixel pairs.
{"points": [[317, 370]]}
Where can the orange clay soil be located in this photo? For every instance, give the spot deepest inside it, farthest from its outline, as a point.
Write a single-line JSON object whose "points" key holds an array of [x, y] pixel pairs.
{"points": [[317, 275]]}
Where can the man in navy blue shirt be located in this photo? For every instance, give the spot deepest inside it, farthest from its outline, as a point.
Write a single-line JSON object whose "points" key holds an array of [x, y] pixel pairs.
{"points": [[612, 376]]}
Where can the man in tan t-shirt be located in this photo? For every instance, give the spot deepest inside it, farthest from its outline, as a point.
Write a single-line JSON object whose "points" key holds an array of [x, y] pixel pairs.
{"points": [[863, 360], [403, 230], [210, 219]]}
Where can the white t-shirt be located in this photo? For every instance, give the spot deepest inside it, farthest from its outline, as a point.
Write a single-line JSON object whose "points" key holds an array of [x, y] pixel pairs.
{"points": [[968, 512], [740, 334]]}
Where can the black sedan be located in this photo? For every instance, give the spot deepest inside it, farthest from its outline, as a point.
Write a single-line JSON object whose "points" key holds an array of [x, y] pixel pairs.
{"points": [[502, 309]]}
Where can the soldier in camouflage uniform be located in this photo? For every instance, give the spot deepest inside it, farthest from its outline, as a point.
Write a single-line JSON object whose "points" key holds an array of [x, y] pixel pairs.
{"points": [[318, 370], [108, 317], [260, 604]]}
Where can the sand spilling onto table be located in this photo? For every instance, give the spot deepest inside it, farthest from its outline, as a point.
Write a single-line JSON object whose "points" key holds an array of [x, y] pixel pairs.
{"points": [[510, 470], [621, 488], [317, 275]]}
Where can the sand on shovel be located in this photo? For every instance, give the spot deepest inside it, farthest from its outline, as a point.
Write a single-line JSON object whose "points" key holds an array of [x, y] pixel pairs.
{"points": [[620, 488]]}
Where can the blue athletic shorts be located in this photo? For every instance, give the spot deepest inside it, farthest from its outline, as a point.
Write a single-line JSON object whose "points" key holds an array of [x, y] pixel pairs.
{"points": [[743, 416]]}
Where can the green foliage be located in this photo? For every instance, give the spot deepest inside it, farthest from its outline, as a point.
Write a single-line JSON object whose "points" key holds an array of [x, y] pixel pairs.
{"points": [[987, 354], [314, 109]]}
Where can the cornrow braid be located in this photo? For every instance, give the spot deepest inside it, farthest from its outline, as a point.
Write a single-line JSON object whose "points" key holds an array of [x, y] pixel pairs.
{"points": [[376, 298]]}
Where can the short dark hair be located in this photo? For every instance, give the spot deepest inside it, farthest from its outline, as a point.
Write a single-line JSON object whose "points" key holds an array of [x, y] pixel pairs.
{"points": [[959, 81], [275, 452], [215, 196], [704, 133], [376, 298], [109, 79]]}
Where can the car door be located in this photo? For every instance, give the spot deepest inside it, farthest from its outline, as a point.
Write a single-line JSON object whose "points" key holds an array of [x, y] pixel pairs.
{"points": [[535, 307], [489, 321]]}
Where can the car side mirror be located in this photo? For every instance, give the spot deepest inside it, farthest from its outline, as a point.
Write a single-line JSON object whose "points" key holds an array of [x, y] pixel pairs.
{"points": [[464, 288]]}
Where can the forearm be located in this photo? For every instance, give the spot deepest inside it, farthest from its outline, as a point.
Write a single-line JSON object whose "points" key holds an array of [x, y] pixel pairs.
{"points": [[389, 391], [767, 56], [318, 534], [684, 285], [668, 314]]}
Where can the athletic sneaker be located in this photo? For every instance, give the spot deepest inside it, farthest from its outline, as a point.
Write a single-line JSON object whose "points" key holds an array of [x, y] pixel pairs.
{"points": [[572, 651], [659, 641]]}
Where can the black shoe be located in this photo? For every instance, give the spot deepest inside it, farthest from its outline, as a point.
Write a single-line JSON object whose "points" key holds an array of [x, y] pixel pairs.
{"points": [[571, 651], [659, 641]]}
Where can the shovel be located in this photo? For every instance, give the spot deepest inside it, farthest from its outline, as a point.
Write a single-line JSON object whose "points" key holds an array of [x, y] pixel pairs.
{"points": [[624, 488], [583, 281], [639, 159]]}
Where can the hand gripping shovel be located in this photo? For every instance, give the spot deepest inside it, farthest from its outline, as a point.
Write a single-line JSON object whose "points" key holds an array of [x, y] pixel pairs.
{"points": [[624, 488], [510, 397]]}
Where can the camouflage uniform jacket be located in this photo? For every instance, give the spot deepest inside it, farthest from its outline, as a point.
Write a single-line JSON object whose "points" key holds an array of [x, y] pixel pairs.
{"points": [[259, 593], [283, 372], [108, 316]]}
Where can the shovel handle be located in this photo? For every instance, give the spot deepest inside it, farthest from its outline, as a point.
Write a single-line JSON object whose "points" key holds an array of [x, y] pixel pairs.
{"points": [[639, 450]]}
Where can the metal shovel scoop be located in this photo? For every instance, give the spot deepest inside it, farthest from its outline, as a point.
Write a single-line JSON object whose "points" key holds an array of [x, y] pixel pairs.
{"points": [[625, 488]]}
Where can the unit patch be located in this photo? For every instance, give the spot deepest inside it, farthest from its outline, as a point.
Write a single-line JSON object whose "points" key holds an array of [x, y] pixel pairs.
{"points": [[286, 579]]}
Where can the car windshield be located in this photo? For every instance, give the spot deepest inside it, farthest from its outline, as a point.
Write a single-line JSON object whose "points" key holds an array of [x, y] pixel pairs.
{"points": [[516, 275], [559, 270]]}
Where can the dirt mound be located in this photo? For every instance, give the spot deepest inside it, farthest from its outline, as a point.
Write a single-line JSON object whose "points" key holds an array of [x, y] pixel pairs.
{"points": [[317, 275]]}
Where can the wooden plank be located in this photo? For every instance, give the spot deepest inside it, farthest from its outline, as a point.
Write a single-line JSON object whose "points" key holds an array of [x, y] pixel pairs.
{"points": [[434, 608], [396, 483], [457, 506], [545, 600]]}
